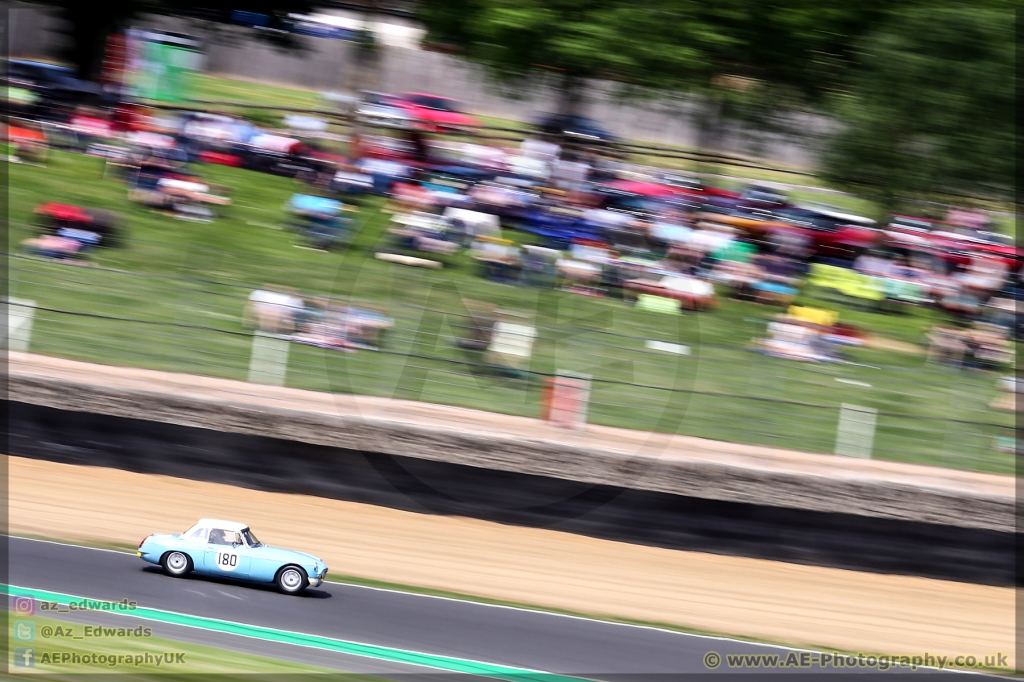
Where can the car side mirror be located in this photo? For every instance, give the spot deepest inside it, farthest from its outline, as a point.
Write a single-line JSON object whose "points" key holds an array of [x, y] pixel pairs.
{"points": [[234, 544]]}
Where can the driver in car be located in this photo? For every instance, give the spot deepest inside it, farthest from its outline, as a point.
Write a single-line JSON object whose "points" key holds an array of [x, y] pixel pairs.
{"points": [[219, 537]]}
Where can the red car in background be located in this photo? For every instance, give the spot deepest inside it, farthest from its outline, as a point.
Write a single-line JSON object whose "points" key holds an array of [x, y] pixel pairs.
{"points": [[435, 113], [687, 185], [829, 232], [952, 244]]}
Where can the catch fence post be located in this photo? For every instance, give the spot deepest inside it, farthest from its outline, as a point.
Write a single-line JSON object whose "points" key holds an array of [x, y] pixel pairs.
{"points": [[269, 361], [855, 435], [568, 400], [20, 314]]}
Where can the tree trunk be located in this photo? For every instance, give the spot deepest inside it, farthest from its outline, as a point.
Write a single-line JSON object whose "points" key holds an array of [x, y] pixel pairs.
{"points": [[710, 121], [365, 55], [570, 95], [89, 27], [365, 71], [571, 99], [366, 65]]}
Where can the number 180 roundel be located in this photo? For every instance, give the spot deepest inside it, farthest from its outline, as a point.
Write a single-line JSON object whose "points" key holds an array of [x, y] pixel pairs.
{"points": [[227, 561], [230, 549]]}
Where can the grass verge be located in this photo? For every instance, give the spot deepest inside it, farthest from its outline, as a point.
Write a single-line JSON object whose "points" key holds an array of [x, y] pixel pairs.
{"points": [[54, 646]]}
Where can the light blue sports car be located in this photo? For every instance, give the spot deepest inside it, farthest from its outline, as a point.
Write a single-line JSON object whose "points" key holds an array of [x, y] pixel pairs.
{"points": [[230, 550]]}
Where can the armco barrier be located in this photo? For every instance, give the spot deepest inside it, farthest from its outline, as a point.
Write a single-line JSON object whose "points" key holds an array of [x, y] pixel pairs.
{"points": [[645, 517]]}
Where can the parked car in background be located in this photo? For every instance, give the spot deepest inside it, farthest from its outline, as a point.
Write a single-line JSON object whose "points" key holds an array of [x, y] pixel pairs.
{"points": [[40, 75], [954, 244], [579, 128], [833, 233], [906, 224], [693, 187], [384, 110], [435, 113], [754, 200], [54, 86]]}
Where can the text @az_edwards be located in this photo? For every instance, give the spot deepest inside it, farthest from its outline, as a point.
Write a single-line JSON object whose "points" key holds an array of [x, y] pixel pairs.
{"points": [[24, 630], [93, 631], [810, 659]]}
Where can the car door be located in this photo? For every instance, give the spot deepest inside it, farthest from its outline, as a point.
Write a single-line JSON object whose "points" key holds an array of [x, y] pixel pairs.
{"points": [[227, 554]]}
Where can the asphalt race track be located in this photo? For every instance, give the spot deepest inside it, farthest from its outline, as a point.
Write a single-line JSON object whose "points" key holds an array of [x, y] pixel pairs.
{"points": [[413, 623]]}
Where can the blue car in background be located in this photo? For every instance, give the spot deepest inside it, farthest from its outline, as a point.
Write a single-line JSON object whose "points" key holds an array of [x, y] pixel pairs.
{"points": [[582, 128], [230, 550]]}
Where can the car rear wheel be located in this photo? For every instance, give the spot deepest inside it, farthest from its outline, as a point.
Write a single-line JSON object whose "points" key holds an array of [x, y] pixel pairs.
{"points": [[292, 580], [177, 564]]}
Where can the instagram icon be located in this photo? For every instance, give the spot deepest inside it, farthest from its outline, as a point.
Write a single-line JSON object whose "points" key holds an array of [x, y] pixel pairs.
{"points": [[24, 606]]}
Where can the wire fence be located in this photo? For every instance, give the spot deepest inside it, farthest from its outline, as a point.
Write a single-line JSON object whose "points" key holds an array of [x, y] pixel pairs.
{"points": [[927, 413]]}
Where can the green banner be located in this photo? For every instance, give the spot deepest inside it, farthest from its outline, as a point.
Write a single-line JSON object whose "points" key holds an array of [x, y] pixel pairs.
{"points": [[164, 67]]}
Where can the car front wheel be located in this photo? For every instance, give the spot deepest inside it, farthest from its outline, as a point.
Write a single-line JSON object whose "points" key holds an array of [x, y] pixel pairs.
{"points": [[177, 564], [292, 580]]}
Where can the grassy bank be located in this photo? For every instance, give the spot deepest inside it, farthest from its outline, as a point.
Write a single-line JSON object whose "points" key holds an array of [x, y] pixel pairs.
{"points": [[172, 298]]}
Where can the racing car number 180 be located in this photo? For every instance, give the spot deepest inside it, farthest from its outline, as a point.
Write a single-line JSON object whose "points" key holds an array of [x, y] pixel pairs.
{"points": [[229, 549], [227, 561]]}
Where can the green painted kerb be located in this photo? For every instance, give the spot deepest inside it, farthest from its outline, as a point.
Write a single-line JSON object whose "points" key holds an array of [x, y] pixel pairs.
{"points": [[446, 663]]}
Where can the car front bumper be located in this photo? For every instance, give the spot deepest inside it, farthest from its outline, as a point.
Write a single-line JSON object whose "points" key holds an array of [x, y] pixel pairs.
{"points": [[318, 580]]}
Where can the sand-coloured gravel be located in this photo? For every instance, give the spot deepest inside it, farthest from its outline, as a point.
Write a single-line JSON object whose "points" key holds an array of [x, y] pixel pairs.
{"points": [[781, 602]]}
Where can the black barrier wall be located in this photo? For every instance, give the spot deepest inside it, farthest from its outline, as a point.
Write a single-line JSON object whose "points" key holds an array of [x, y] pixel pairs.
{"points": [[643, 517]]}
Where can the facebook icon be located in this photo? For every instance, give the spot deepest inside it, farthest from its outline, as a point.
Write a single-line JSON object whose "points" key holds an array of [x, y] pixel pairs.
{"points": [[24, 657]]}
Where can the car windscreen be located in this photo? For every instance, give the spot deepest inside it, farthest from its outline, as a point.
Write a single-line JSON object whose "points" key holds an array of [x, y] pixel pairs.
{"points": [[683, 182], [439, 103], [809, 219], [911, 224], [582, 123], [766, 197], [41, 74], [29, 73], [250, 538]]}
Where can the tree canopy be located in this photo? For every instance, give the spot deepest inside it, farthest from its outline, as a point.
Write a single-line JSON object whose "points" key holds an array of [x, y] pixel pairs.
{"points": [[923, 91], [736, 60], [931, 111], [676, 44], [578, 39]]}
